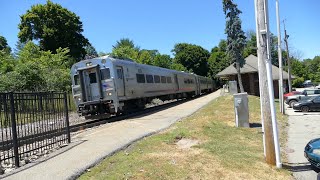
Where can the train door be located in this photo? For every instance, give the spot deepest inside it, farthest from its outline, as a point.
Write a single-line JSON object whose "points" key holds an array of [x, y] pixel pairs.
{"points": [[198, 85], [92, 86], [176, 82], [120, 81]]}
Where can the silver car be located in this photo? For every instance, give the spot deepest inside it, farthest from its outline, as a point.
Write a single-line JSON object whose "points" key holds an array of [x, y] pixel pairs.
{"points": [[305, 95]]}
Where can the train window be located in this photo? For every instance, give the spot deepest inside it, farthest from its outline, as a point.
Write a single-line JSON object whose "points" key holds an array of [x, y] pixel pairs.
{"points": [[149, 78], [163, 79], [93, 78], [169, 80], [105, 73], [156, 79], [119, 73], [141, 78], [76, 79]]}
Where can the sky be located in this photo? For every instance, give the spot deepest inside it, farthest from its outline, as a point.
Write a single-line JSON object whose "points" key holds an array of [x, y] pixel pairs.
{"points": [[160, 24]]}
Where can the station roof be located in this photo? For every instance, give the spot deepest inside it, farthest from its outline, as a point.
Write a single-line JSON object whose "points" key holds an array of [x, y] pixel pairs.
{"points": [[251, 66]]}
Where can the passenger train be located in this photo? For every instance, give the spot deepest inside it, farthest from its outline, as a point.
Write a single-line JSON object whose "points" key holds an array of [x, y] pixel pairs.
{"points": [[105, 85]]}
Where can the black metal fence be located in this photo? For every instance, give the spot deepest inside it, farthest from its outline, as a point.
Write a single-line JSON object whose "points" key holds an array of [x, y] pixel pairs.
{"points": [[31, 124]]}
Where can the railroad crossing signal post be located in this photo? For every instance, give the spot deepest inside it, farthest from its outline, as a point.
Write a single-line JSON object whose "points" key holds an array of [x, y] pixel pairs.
{"points": [[268, 114]]}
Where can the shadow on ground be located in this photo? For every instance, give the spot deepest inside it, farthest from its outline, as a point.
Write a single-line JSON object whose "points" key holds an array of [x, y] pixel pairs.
{"points": [[300, 167], [255, 125]]}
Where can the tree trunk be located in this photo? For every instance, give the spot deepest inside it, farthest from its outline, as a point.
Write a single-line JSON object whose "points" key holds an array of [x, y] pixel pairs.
{"points": [[239, 77]]}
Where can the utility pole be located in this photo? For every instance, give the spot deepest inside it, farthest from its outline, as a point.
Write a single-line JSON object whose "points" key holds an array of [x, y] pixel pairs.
{"points": [[266, 84], [288, 56], [280, 60]]}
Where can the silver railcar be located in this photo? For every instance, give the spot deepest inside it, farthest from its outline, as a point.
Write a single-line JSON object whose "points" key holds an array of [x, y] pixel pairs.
{"points": [[106, 85]]}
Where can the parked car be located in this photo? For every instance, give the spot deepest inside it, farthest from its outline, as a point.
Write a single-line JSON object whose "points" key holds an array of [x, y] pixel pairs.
{"points": [[291, 94], [305, 95], [308, 84], [312, 153], [312, 104]]}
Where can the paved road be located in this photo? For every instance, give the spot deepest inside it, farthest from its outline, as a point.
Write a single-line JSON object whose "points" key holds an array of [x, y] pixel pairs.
{"points": [[92, 146], [302, 128]]}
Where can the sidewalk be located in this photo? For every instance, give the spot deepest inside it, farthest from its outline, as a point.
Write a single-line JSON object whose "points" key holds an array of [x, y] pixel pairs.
{"points": [[92, 146]]}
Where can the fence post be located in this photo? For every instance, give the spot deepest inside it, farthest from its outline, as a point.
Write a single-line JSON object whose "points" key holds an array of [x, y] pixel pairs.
{"points": [[14, 130], [67, 116]]}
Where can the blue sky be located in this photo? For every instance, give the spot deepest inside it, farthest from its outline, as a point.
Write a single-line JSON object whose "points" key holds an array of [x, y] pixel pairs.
{"points": [[159, 24]]}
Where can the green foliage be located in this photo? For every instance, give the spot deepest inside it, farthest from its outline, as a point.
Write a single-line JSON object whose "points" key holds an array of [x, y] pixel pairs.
{"points": [[178, 67], [193, 57], [251, 47], [7, 62], [4, 45], [54, 27], [251, 44], [236, 39], [125, 52], [26, 77], [308, 69], [125, 42], [126, 49], [145, 57], [218, 59], [37, 70], [90, 52], [297, 82], [163, 60]]}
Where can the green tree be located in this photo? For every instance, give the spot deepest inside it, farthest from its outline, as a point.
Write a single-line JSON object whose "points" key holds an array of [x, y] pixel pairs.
{"points": [[37, 70], [90, 52], [126, 42], [125, 49], [125, 52], [26, 77], [30, 52], [235, 36], [163, 60], [54, 27], [192, 57], [218, 59], [7, 62], [251, 44], [144, 57], [251, 47], [4, 45], [178, 67]]}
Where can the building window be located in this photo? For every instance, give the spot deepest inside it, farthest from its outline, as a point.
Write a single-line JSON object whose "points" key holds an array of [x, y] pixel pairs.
{"points": [[141, 78], [149, 78]]}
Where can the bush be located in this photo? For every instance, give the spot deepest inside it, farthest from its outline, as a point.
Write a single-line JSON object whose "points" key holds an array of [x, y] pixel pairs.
{"points": [[298, 82]]}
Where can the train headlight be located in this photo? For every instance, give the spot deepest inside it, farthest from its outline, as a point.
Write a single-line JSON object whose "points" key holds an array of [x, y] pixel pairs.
{"points": [[109, 94]]}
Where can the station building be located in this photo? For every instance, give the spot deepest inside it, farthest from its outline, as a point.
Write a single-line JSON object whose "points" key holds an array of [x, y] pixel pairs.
{"points": [[250, 77]]}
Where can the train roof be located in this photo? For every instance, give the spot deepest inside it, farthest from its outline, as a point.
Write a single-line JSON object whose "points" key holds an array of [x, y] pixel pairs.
{"points": [[129, 62]]}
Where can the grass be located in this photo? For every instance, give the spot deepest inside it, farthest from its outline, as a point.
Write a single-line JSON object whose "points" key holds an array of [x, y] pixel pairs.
{"points": [[223, 152]]}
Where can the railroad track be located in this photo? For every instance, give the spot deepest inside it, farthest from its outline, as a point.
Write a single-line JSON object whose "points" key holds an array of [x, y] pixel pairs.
{"points": [[6, 145]]}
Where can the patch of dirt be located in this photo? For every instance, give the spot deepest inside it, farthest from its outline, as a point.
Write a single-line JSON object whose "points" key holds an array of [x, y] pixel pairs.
{"points": [[186, 143]]}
